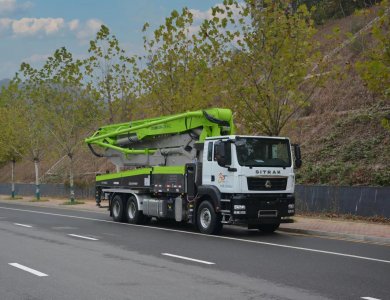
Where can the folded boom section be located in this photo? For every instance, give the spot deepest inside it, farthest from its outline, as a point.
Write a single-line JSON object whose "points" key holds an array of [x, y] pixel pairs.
{"points": [[164, 141]]}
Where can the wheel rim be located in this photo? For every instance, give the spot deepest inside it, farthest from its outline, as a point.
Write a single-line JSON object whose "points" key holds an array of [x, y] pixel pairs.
{"points": [[132, 210], [116, 209], [205, 218]]}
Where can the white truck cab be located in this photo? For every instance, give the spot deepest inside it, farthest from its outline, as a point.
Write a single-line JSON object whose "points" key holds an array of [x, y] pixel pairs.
{"points": [[255, 176]]}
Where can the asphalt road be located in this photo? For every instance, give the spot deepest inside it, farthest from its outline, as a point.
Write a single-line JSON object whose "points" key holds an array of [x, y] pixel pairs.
{"points": [[48, 253]]}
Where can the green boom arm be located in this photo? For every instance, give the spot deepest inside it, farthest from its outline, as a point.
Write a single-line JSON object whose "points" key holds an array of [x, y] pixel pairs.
{"points": [[213, 122]]}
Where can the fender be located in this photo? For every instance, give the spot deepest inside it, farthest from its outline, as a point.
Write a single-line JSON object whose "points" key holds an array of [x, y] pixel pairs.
{"points": [[125, 194], [213, 193]]}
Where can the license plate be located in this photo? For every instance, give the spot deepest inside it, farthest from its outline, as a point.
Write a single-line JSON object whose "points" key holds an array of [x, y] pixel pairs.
{"points": [[267, 213]]}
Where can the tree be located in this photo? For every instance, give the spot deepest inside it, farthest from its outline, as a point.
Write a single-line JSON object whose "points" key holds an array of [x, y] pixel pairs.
{"points": [[34, 98], [178, 74], [374, 69], [112, 74], [13, 125], [73, 109], [268, 61], [375, 66]]}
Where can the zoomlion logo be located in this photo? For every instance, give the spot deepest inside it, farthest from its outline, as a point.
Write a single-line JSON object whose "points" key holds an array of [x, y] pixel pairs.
{"points": [[221, 178]]}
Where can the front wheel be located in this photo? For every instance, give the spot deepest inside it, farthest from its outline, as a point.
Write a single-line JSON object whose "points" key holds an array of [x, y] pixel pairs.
{"points": [[208, 221], [268, 228]]}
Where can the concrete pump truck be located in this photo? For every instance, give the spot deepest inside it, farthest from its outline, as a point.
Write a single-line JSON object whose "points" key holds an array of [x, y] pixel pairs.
{"points": [[191, 167]]}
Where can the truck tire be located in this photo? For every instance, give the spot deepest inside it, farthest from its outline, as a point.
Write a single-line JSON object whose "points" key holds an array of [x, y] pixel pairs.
{"points": [[133, 214], [208, 221], [268, 228], [118, 209]]}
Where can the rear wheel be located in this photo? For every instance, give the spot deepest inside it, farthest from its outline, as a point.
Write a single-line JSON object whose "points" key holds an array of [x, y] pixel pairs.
{"points": [[134, 215], [208, 221], [268, 228], [118, 209]]}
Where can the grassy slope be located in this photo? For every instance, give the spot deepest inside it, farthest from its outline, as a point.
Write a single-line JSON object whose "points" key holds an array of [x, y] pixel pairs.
{"points": [[346, 149], [342, 140]]}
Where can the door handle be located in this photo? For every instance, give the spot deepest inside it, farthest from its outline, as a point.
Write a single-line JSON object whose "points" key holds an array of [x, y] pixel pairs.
{"points": [[212, 178]]}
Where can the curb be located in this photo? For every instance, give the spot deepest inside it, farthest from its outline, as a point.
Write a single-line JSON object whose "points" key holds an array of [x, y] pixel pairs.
{"points": [[57, 206], [346, 236]]}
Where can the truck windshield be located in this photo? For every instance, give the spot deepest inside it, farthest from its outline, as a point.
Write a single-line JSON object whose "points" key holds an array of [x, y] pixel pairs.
{"points": [[263, 152]]}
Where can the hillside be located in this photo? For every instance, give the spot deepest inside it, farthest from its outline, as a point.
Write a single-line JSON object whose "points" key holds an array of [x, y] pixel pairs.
{"points": [[342, 140]]}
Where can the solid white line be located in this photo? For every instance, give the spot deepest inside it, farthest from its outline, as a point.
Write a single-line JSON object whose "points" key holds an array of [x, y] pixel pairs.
{"points": [[83, 237], [27, 269], [188, 258], [370, 298], [205, 236], [23, 225]]}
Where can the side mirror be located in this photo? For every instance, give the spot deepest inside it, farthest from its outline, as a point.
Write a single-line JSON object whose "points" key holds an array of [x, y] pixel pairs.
{"points": [[298, 158]]}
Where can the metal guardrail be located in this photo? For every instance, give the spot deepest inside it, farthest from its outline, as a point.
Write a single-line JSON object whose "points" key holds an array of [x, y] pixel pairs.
{"points": [[47, 190], [356, 200]]}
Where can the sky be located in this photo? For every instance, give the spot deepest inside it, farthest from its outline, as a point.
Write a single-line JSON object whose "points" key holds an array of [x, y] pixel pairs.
{"points": [[31, 30]]}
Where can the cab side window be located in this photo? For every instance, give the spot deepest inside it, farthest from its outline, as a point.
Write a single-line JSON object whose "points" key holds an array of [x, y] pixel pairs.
{"points": [[210, 151]]}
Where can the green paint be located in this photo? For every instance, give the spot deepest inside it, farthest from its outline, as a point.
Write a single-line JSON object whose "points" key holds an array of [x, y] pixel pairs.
{"points": [[107, 136], [143, 171], [169, 170], [37, 192]]}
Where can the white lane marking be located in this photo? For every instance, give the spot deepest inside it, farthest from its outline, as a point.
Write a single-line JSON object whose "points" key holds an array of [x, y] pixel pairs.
{"points": [[27, 269], [203, 235], [23, 225], [188, 258], [83, 237], [370, 298]]}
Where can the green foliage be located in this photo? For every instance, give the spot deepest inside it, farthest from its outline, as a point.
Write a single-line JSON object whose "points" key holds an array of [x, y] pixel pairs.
{"points": [[14, 128], [112, 75], [355, 152], [382, 177], [325, 174], [178, 74], [332, 9], [273, 54], [375, 68]]}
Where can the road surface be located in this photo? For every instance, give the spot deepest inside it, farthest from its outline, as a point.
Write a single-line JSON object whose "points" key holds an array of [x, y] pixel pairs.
{"points": [[48, 253]]}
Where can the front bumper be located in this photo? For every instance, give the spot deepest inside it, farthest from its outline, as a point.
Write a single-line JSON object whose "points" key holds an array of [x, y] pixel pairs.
{"points": [[259, 208]]}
